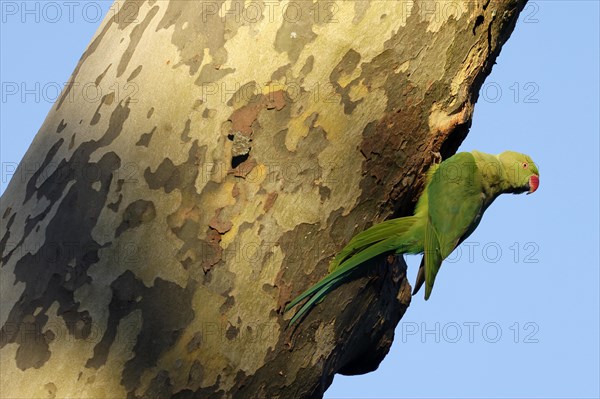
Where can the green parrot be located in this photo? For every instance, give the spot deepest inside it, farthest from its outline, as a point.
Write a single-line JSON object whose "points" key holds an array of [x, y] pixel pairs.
{"points": [[457, 193]]}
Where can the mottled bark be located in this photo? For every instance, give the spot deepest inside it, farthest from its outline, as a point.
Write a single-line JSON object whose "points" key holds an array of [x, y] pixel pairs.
{"points": [[151, 238]]}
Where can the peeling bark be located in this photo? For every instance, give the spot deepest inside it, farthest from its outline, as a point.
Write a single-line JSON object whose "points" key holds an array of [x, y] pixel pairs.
{"points": [[152, 255]]}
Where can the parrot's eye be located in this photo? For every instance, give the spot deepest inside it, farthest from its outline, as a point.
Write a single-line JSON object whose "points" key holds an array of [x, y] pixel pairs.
{"points": [[524, 165]]}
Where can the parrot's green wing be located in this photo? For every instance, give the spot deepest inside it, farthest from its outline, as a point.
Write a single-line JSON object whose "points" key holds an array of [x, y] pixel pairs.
{"points": [[455, 205]]}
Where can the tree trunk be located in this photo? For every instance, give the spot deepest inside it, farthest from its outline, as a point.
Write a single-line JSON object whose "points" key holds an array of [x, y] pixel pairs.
{"points": [[200, 170]]}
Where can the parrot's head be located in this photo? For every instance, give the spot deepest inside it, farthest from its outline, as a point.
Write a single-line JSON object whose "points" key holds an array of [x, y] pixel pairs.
{"points": [[522, 173]]}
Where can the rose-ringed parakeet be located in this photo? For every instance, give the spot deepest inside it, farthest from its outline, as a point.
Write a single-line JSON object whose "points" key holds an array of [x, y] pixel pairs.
{"points": [[457, 193]]}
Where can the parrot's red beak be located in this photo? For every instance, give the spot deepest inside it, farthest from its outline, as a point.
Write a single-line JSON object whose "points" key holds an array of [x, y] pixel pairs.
{"points": [[534, 183]]}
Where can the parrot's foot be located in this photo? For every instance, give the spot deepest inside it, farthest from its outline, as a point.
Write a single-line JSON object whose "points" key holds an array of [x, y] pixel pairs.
{"points": [[437, 157]]}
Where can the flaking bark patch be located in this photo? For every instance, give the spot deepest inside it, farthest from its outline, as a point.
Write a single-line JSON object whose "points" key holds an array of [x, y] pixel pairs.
{"points": [[145, 138], [136, 213], [161, 324], [47, 274]]}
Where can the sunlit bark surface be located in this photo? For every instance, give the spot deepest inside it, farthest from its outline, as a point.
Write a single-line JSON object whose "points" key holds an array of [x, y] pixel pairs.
{"points": [[153, 233]]}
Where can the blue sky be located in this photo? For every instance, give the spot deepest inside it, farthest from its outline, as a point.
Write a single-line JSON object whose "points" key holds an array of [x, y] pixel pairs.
{"points": [[515, 312]]}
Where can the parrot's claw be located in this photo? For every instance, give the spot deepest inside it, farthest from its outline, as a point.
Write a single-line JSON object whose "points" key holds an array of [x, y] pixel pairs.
{"points": [[437, 157]]}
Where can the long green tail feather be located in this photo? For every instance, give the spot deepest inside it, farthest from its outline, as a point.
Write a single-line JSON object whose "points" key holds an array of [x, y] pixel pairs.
{"points": [[338, 275], [374, 234], [317, 287], [313, 301]]}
